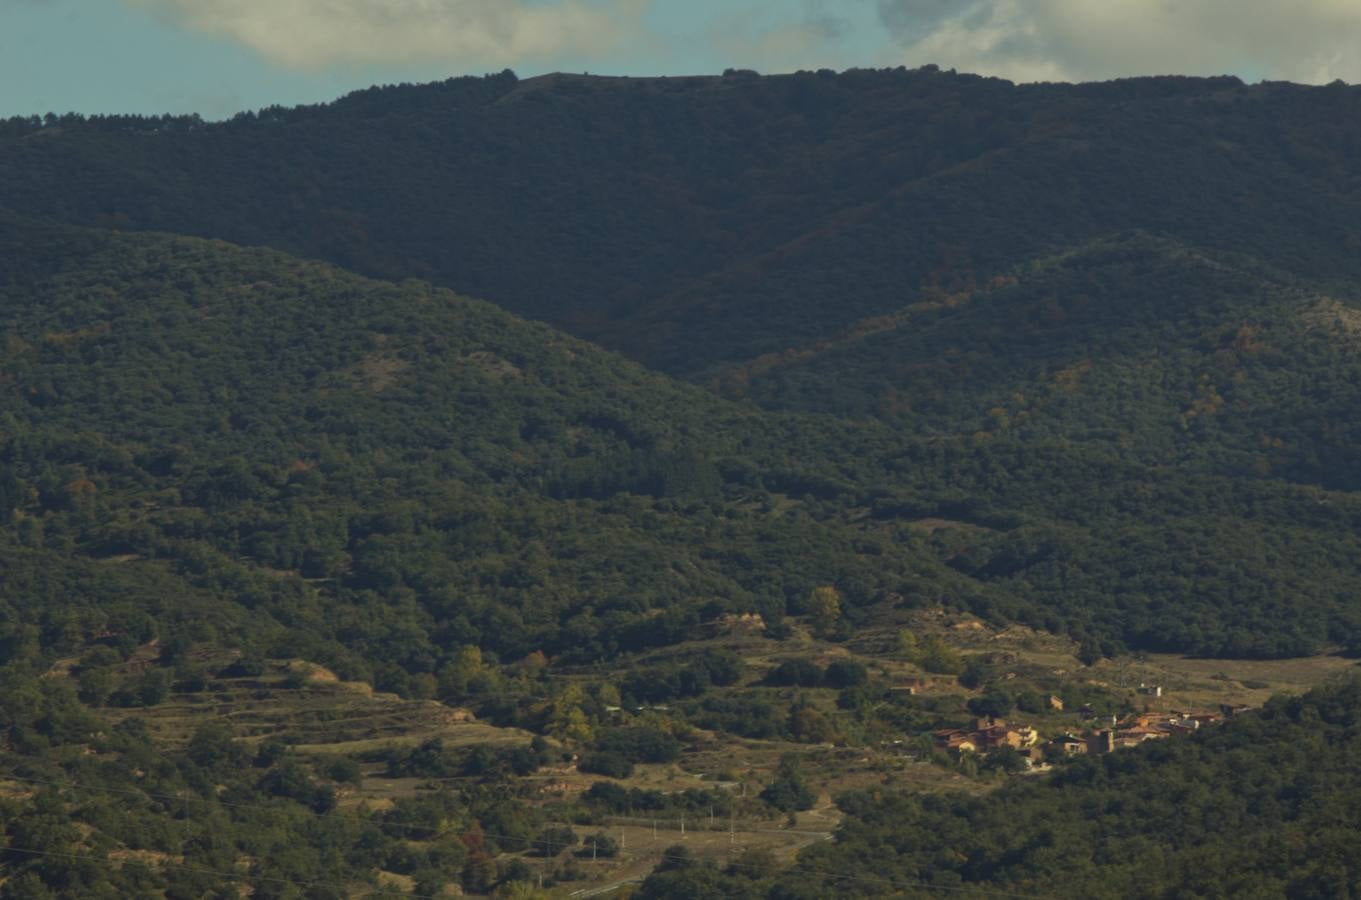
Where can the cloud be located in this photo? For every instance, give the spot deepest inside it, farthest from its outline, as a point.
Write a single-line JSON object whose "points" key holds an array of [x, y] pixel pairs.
{"points": [[914, 20], [1029, 40], [312, 34], [772, 36]]}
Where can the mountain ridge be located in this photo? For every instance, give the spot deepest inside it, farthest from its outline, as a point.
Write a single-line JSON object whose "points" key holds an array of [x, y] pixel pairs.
{"points": [[625, 192]]}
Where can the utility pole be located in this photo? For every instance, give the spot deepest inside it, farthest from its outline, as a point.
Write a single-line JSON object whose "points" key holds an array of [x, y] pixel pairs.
{"points": [[682, 827]]}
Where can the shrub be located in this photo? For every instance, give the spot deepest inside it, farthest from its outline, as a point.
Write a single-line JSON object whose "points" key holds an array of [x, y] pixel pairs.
{"points": [[641, 743], [606, 762], [599, 845], [788, 792], [796, 673], [555, 839], [846, 673]]}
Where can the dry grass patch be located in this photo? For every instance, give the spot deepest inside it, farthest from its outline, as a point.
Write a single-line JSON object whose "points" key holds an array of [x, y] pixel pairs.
{"points": [[1210, 682]]}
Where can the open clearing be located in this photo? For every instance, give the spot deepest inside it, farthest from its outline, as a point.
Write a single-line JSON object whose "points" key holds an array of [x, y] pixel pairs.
{"points": [[1209, 682]]}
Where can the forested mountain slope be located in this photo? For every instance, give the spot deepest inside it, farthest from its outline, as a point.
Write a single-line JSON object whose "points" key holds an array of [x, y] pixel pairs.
{"points": [[1147, 348], [1085, 358], [276, 436], [212, 447], [1152, 427], [380, 473], [694, 222]]}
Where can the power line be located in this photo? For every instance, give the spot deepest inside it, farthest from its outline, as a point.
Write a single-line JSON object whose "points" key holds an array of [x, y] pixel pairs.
{"points": [[216, 873], [642, 820], [180, 799], [380, 892], [877, 879]]}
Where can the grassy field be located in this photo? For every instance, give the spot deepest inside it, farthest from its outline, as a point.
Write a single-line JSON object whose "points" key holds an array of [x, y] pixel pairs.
{"points": [[308, 708], [1204, 683]]}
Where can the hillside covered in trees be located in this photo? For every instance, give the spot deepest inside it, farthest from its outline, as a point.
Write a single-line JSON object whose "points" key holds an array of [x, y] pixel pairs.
{"points": [[386, 472], [285, 436], [820, 351], [696, 222]]}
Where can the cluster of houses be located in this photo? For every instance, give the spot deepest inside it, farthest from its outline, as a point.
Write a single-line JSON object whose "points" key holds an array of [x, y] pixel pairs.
{"points": [[991, 734], [1133, 731], [987, 735]]}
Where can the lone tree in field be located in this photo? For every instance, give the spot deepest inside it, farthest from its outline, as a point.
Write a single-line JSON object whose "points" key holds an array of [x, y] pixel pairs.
{"points": [[787, 792], [824, 609]]}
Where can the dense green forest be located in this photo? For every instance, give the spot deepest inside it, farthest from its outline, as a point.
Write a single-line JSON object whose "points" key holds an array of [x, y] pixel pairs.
{"points": [[210, 447], [693, 222], [298, 448], [827, 349], [378, 475]]}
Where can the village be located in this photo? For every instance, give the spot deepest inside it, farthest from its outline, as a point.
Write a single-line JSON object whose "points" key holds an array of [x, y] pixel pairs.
{"points": [[1035, 752]]}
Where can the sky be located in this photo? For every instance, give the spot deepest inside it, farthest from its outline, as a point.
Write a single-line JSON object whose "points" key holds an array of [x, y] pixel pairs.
{"points": [[217, 57]]}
